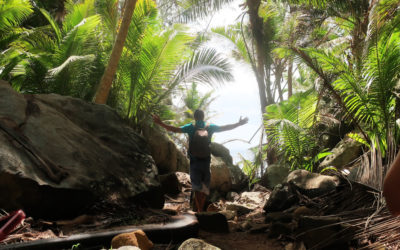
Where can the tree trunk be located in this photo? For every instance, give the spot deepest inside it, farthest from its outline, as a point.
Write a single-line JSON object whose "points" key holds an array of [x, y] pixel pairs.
{"points": [[106, 81], [256, 23], [278, 77], [290, 79]]}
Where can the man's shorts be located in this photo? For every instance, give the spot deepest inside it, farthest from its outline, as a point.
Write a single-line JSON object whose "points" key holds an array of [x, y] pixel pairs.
{"points": [[200, 175]]}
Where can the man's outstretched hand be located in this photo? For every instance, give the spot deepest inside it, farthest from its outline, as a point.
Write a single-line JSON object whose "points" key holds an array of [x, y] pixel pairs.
{"points": [[243, 121]]}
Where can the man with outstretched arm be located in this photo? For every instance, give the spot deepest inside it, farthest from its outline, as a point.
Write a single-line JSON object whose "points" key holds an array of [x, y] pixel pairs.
{"points": [[199, 167]]}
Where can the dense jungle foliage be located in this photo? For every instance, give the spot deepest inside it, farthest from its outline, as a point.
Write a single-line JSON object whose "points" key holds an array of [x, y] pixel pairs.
{"points": [[325, 69]]}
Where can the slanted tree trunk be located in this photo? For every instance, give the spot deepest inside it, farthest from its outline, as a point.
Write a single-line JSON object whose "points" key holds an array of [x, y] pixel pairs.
{"points": [[107, 78]]}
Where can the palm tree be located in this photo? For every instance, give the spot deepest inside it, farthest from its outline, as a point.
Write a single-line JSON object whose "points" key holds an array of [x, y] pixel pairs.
{"points": [[151, 69], [290, 124], [12, 15], [363, 81], [193, 100], [106, 80], [57, 59]]}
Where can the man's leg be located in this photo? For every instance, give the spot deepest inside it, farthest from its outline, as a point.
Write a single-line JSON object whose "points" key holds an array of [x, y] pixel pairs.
{"points": [[200, 199]]}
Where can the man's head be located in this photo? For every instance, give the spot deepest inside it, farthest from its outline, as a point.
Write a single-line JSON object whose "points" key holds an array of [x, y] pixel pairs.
{"points": [[199, 115]]}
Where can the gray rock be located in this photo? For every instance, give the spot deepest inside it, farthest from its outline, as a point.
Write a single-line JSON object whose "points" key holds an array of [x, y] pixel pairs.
{"points": [[167, 156], [219, 150], [220, 175], [313, 184], [238, 179], [197, 244], [274, 175], [280, 199], [345, 152], [253, 200], [60, 153]]}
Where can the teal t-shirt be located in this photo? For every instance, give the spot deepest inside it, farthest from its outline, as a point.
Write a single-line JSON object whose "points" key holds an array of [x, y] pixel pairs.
{"points": [[190, 128]]}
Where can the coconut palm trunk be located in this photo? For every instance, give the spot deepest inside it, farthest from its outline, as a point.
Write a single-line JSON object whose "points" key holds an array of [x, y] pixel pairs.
{"points": [[257, 30], [107, 78]]}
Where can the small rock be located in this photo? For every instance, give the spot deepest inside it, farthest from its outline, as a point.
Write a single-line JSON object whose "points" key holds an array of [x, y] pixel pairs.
{"points": [[197, 244], [137, 238], [253, 199]]}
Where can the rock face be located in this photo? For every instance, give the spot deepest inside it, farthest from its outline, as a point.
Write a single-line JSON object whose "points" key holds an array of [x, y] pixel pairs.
{"points": [[167, 156], [59, 153]]}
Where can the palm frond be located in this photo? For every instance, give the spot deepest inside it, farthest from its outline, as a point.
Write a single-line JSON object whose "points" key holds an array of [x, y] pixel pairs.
{"points": [[13, 13], [189, 10], [72, 59], [206, 66]]}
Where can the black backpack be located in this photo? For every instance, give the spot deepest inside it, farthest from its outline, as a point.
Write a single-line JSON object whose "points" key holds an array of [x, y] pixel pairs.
{"points": [[199, 146]]}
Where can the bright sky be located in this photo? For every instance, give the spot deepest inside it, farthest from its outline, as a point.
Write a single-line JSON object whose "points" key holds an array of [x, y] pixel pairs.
{"points": [[237, 98]]}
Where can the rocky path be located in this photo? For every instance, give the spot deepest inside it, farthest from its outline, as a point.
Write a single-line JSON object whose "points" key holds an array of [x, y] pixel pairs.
{"points": [[348, 217]]}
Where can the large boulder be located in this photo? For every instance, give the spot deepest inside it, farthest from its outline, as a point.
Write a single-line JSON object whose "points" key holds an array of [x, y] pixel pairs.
{"points": [[167, 156], [345, 152], [60, 153], [220, 175], [221, 156]]}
